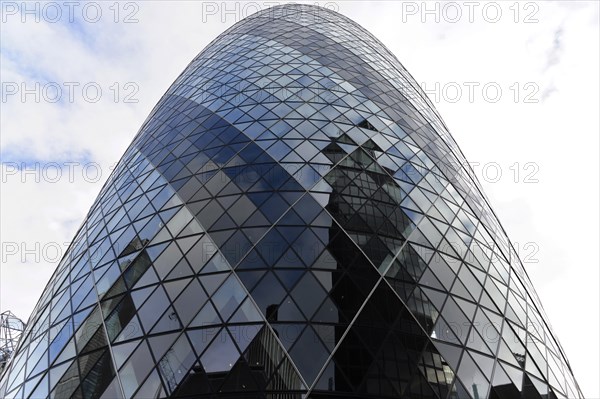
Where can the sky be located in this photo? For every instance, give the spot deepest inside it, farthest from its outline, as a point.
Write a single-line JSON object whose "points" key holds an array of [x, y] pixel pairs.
{"points": [[517, 84]]}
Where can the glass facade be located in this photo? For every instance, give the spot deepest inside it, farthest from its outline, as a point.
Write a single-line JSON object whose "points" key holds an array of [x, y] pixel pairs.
{"points": [[292, 220]]}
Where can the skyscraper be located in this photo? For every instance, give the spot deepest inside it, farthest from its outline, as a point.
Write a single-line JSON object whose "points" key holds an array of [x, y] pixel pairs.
{"points": [[293, 219]]}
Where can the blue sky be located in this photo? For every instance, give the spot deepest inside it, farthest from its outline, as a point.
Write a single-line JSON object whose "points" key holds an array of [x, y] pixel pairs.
{"points": [[541, 133]]}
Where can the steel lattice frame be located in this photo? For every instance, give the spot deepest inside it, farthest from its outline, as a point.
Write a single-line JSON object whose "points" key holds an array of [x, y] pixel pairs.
{"points": [[293, 220], [11, 328]]}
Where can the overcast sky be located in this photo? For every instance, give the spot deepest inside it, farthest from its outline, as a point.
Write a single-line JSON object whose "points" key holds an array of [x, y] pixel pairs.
{"points": [[516, 83]]}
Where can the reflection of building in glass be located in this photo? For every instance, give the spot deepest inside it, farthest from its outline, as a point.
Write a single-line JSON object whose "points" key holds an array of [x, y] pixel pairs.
{"points": [[292, 220]]}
